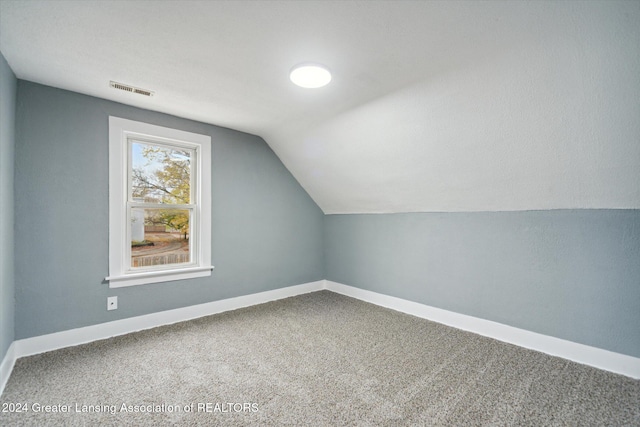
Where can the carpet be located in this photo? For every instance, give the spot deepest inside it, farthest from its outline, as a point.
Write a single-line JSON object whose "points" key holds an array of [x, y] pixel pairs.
{"points": [[315, 359]]}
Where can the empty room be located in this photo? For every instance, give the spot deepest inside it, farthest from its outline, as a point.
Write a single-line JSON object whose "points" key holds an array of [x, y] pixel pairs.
{"points": [[366, 213]]}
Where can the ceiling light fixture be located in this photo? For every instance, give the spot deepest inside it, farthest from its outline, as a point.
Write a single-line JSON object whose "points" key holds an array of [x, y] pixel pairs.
{"points": [[310, 76]]}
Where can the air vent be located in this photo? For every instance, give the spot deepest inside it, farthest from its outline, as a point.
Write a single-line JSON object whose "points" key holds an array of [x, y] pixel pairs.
{"points": [[131, 89]]}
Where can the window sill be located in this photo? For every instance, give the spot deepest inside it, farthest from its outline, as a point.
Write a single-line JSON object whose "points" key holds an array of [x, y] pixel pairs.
{"points": [[146, 277]]}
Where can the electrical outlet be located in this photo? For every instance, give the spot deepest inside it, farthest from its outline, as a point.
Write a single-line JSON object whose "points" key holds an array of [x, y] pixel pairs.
{"points": [[112, 303]]}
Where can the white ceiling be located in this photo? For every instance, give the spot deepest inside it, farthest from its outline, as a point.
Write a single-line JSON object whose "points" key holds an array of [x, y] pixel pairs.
{"points": [[434, 106]]}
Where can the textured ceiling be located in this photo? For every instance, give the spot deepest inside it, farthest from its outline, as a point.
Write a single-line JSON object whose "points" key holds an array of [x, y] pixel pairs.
{"points": [[434, 106]]}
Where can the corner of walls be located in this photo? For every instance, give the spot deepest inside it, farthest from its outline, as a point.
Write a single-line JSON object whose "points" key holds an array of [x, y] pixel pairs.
{"points": [[314, 213], [6, 366], [8, 89]]}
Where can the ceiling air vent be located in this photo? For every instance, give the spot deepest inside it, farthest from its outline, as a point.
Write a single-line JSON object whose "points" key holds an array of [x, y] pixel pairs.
{"points": [[131, 89]]}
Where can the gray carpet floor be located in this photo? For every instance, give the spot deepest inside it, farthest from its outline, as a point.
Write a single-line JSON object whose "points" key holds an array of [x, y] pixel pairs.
{"points": [[316, 359]]}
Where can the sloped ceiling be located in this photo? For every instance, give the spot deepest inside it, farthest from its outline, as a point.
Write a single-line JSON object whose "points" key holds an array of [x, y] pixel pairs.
{"points": [[434, 106]]}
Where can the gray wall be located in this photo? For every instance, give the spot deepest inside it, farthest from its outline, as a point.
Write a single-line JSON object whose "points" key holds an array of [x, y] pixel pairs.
{"points": [[571, 274], [7, 145], [266, 231]]}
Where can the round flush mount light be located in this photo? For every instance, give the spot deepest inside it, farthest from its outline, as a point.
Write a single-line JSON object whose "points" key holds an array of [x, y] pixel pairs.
{"points": [[310, 76]]}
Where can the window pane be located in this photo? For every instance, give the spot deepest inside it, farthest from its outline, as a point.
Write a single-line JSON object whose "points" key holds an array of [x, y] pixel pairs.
{"points": [[159, 237], [160, 174]]}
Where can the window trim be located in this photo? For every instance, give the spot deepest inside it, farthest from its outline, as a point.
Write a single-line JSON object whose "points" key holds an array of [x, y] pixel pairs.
{"points": [[120, 132]]}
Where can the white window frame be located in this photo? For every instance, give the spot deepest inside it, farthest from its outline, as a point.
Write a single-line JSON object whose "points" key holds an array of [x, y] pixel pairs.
{"points": [[121, 132]]}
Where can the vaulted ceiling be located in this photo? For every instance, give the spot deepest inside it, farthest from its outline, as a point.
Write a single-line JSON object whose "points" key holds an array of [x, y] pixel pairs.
{"points": [[434, 106]]}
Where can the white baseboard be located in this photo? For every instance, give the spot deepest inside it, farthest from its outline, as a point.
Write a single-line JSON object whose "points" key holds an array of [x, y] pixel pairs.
{"points": [[72, 337], [584, 354], [596, 357], [7, 366]]}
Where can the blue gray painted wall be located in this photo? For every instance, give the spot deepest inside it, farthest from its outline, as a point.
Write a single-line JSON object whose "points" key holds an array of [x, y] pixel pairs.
{"points": [[7, 145], [267, 233], [571, 274]]}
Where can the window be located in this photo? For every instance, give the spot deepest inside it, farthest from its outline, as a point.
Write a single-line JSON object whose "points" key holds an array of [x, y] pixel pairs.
{"points": [[159, 204]]}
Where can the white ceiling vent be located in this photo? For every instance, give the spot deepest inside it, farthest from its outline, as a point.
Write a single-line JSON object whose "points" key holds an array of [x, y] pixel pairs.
{"points": [[131, 89]]}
